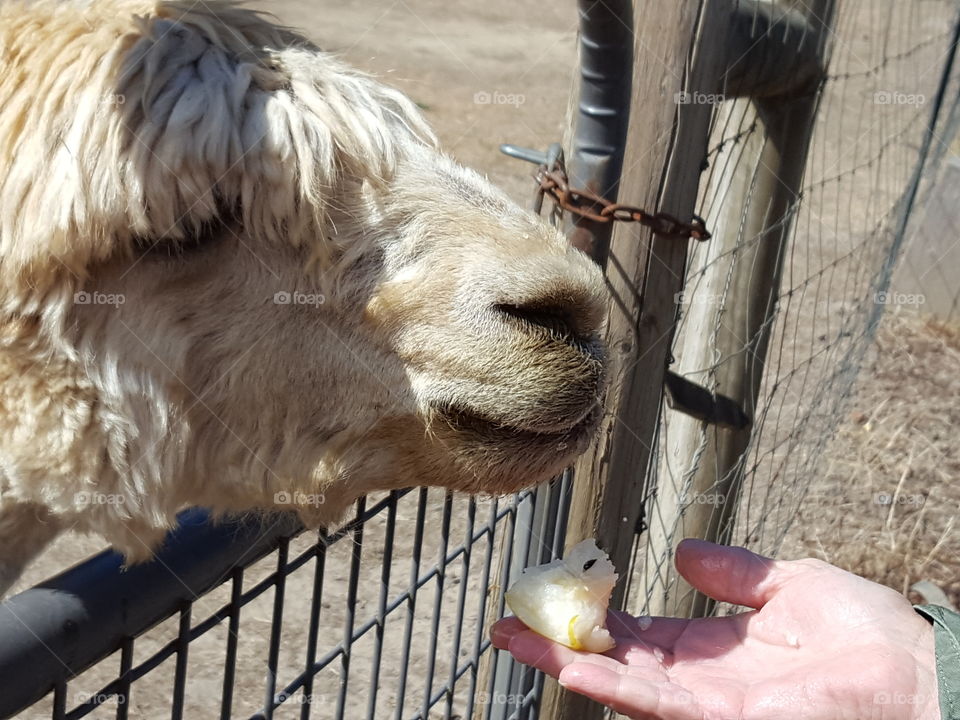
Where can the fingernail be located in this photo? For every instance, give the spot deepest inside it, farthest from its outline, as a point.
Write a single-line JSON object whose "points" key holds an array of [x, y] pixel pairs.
{"points": [[567, 676]]}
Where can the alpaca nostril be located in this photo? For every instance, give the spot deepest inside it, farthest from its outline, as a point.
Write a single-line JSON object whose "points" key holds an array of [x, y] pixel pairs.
{"points": [[555, 319]]}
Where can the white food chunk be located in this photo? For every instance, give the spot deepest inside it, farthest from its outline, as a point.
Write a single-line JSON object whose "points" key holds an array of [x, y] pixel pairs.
{"points": [[566, 600]]}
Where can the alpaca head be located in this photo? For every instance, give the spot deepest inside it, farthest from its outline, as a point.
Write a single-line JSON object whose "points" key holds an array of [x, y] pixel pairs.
{"points": [[252, 278], [457, 347]]}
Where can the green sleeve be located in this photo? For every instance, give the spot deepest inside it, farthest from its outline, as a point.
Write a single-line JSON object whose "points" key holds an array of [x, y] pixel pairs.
{"points": [[946, 632]]}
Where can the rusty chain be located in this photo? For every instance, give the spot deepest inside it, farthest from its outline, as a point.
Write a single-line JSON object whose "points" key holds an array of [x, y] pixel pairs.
{"points": [[590, 205]]}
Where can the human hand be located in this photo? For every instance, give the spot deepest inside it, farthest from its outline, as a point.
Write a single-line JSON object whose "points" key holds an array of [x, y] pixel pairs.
{"points": [[821, 644]]}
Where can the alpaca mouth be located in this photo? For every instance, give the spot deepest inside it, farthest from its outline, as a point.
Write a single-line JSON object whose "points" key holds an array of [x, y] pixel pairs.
{"points": [[466, 421]]}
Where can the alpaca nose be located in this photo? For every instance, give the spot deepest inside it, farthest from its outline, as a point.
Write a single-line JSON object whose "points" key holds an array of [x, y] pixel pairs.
{"points": [[558, 320], [564, 297], [569, 310], [549, 289]]}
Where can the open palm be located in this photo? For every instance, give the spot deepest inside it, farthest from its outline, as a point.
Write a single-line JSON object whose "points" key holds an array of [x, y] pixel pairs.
{"points": [[820, 643]]}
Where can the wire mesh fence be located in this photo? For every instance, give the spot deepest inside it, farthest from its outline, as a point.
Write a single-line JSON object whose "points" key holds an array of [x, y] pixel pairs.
{"points": [[930, 253], [890, 65], [384, 617]]}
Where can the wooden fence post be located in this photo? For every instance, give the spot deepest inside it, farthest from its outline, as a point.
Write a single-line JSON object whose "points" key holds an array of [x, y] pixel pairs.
{"points": [[665, 150]]}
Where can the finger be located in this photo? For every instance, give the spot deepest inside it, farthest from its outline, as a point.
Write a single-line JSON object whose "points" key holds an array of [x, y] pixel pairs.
{"points": [[532, 649], [502, 631], [641, 654], [731, 574], [638, 639], [631, 694], [625, 628], [532, 645], [660, 631]]}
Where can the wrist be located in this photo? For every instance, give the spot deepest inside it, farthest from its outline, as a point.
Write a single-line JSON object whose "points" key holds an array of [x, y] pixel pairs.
{"points": [[927, 706]]}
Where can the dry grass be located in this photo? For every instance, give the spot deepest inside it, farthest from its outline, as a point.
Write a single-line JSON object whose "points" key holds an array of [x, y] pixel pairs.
{"points": [[887, 504]]}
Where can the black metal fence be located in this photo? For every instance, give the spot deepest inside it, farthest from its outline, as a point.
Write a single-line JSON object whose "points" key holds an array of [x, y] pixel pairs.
{"points": [[350, 631]]}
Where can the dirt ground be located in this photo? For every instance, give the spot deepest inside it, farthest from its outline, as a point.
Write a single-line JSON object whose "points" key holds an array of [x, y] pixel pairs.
{"points": [[887, 502]]}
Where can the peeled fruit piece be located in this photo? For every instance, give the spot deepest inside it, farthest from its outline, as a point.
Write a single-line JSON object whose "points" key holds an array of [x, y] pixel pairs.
{"points": [[566, 600]]}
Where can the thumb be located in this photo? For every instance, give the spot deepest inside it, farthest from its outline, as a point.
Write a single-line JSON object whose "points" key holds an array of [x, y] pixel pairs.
{"points": [[731, 574]]}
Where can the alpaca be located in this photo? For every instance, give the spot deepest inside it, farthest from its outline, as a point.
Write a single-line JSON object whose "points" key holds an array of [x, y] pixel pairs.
{"points": [[236, 273]]}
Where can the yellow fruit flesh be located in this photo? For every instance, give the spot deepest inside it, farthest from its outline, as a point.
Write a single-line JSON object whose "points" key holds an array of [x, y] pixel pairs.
{"points": [[574, 643]]}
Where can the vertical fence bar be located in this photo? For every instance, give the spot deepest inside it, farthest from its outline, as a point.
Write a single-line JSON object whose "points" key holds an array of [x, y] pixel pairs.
{"points": [[386, 564], [563, 511], [522, 676], [478, 639], [437, 605], [461, 605], [526, 543], [123, 691], [233, 639], [544, 533], [496, 600], [276, 629], [59, 700], [411, 602], [314, 624], [180, 672], [356, 552]]}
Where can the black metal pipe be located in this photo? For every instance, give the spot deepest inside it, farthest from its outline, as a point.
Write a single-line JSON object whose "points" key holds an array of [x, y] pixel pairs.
{"points": [[66, 624], [602, 114]]}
